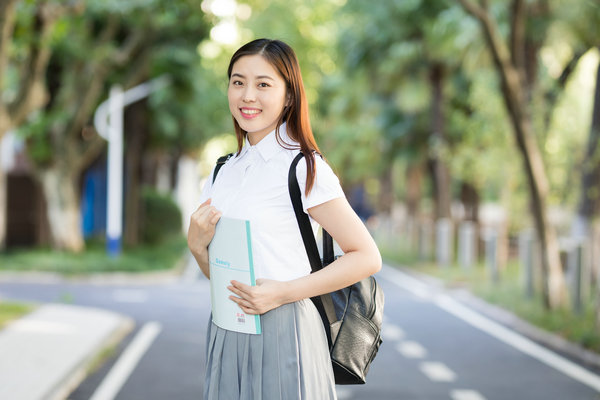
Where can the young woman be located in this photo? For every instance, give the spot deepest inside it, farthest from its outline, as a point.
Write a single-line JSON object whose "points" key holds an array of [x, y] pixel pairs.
{"points": [[290, 359]]}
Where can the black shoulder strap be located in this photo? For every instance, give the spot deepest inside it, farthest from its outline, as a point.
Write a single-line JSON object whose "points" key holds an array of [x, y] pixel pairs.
{"points": [[220, 162], [308, 237], [323, 303]]}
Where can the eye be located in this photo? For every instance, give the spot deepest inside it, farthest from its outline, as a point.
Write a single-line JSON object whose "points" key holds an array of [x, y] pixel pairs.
{"points": [[236, 83], [263, 85]]}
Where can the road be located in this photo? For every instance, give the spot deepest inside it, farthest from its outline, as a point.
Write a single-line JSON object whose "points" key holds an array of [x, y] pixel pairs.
{"points": [[434, 347]]}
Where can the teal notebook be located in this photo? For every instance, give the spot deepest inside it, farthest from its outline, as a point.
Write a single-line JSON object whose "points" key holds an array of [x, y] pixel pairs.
{"points": [[230, 258]]}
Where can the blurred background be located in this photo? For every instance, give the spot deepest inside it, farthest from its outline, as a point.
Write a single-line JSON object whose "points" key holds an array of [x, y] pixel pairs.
{"points": [[465, 134]]}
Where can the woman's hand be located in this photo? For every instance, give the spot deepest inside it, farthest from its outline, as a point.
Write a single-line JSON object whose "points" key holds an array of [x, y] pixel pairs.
{"points": [[201, 232], [265, 296], [202, 226]]}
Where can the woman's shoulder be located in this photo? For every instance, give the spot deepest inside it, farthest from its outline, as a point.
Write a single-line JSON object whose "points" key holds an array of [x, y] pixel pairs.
{"points": [[322, 168]]}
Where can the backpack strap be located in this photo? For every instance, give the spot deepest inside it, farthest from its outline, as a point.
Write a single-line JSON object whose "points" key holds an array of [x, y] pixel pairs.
{"points": [[324, 302], [220, 162], [303, 222]]}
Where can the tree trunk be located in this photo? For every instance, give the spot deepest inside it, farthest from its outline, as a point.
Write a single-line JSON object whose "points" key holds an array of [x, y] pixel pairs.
{"points": [[414, 176], [174, 157], [3, 210], [555, 293], [513, 82], [590, 172], [136, 133], [62, 202], [440, 170], [386, 192], [470, 200]]}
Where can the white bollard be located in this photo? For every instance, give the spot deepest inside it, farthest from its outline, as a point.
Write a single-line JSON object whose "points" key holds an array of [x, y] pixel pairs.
{"points": [[466, 244], [425, 241], [443, 242], [526, 261], [490, 238], [575, 272]]}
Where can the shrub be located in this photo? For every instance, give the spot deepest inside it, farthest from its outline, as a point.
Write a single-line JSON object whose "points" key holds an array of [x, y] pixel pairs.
{"points": [[161, 217]]}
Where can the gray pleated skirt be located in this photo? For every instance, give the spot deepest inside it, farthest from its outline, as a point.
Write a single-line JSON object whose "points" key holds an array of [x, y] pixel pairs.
{"points": [[288, 361]]}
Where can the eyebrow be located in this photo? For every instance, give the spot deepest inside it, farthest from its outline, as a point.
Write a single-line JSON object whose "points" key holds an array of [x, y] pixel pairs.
{"points": [[258, 77]]}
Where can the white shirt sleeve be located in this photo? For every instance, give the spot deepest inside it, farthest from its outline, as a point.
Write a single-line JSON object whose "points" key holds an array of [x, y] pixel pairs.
{"points": [[326, 187]]}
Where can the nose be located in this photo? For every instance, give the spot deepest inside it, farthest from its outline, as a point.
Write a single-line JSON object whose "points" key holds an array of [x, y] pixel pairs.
{"points": [[249, 95]]}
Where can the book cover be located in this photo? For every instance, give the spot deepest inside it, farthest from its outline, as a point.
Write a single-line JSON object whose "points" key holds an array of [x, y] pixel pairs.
{"points": [[230, 258]]}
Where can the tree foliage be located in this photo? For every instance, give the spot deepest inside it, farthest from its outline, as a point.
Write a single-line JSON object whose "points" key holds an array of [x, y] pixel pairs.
{"points": [[105, 44]]}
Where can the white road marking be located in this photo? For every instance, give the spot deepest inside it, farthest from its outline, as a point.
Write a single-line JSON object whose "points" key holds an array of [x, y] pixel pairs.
{"points": [[392, 332], [411, 349], [118, 375], [130, 296], [462, 394], [406, 282], [437, 372], [498, 331]]}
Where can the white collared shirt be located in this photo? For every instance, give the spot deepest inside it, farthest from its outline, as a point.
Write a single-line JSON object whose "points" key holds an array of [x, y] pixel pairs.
{"points": [[254, 186]]}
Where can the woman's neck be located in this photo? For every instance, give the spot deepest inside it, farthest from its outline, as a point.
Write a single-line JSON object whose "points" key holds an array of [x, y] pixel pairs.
{"points": [[254, 138]]}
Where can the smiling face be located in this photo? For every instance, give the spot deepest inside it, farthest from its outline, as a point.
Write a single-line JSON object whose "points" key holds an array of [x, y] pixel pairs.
{"points": [[257, 95]]}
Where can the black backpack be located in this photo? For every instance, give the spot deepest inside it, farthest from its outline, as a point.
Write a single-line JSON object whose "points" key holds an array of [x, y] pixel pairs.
{"points": [[352, 316]]}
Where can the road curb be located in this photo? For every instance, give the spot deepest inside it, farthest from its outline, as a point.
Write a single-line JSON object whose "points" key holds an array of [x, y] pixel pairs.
{"points": [[548, 339], [101, 278]]}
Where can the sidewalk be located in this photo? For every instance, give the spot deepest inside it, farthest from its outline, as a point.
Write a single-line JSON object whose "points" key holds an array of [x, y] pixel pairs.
{"points": [[45, 354]]}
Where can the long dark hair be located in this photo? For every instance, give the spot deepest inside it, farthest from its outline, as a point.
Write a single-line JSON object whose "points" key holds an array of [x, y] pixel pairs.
{"points": [[295, 114]]}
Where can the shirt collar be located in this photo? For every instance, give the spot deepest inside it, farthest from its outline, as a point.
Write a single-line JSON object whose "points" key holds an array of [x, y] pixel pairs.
{"points": [[269, 145]]}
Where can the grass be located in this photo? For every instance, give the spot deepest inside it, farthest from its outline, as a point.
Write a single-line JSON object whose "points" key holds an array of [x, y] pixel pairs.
{"points": [[10, 311], [94, 259], [98, 361], [507, 293]]}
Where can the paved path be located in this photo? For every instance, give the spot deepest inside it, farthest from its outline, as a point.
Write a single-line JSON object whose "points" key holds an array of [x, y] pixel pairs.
{"points": [[437, 348], [44, 354], [434, 346]]}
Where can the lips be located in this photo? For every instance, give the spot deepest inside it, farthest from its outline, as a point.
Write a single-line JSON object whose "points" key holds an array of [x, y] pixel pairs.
{"points": [[250, 113]]}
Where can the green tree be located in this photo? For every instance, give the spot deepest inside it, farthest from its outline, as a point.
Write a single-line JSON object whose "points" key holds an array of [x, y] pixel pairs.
{"points": [[411, 68], [110, 42], [515, 60], [582, 25], [27, 30]]}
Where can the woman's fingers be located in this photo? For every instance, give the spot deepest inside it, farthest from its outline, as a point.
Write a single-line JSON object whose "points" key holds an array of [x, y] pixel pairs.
{"points": [[258, 299], [202, 206], [239, 292], [235, 291], [240, 288], [202, 226], [243, 297], [245, 305], [206, 213], [207, 202], [215, 217]]}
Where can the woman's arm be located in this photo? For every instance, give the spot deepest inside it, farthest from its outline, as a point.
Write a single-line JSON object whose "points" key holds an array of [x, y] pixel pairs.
{"points": [[361, 259], [201, 232]]}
